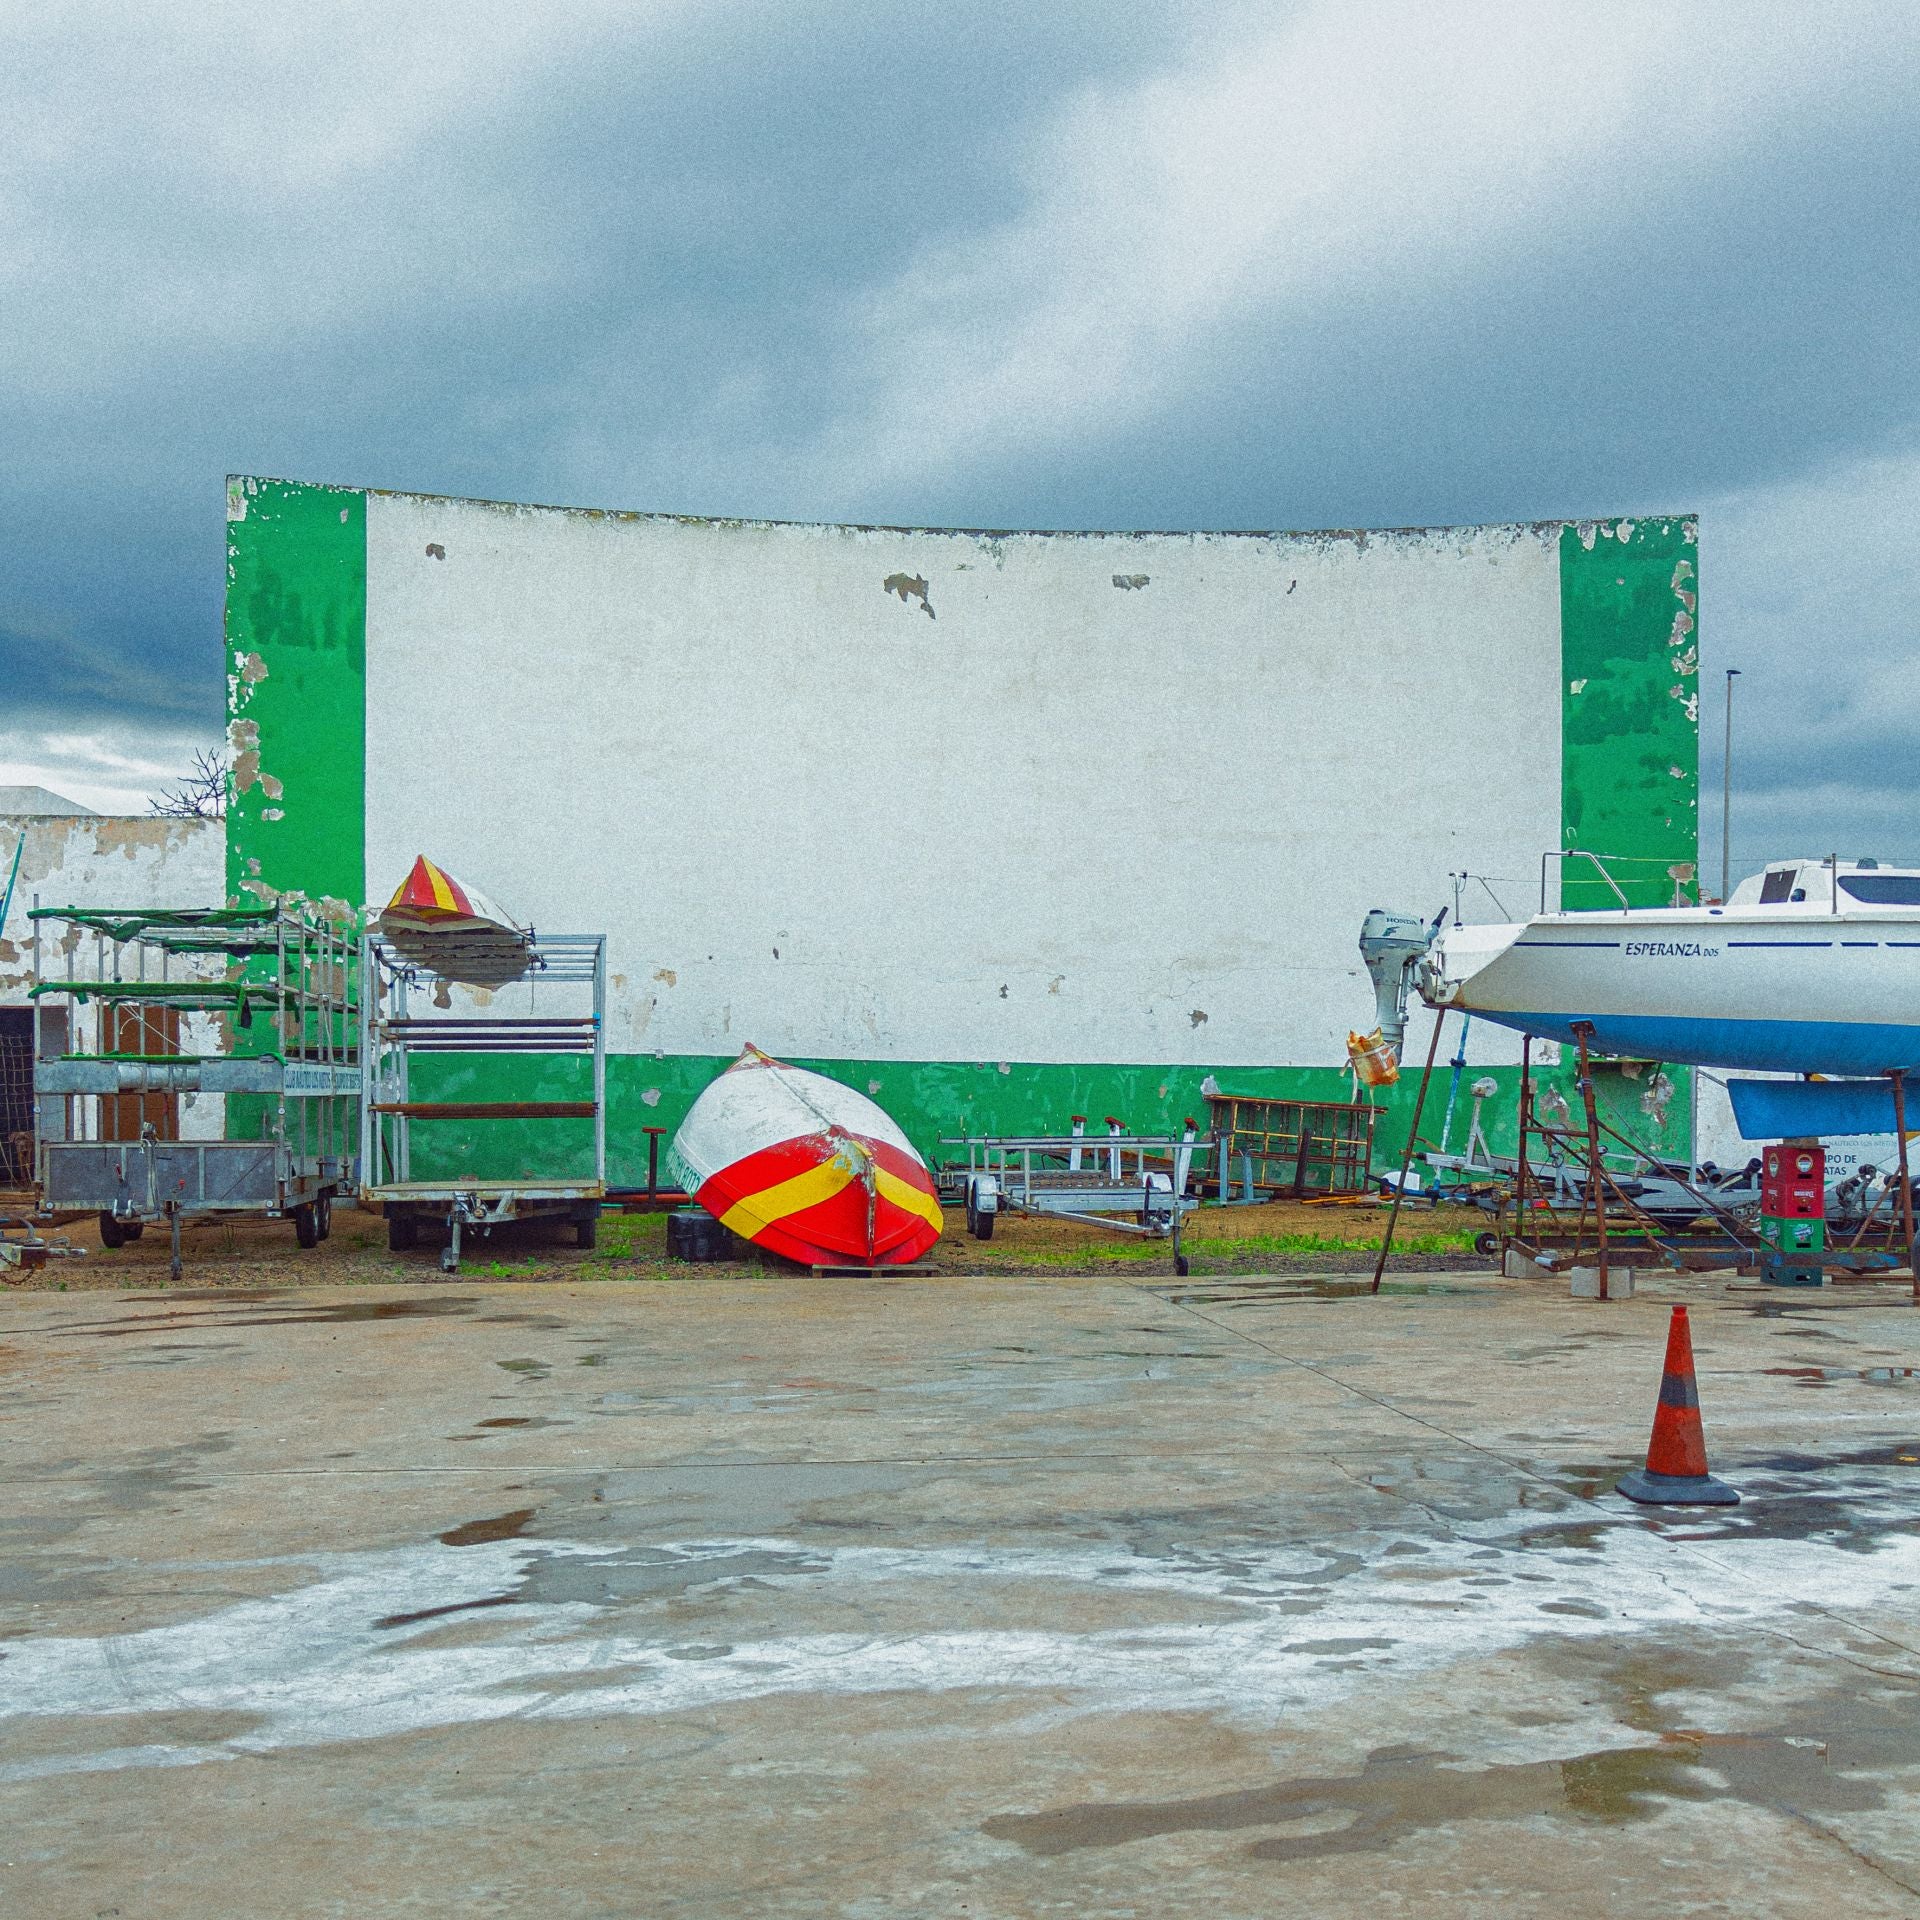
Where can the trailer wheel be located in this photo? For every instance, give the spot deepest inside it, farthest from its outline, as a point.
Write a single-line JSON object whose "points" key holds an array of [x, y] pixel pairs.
{"points": [[323, 1213], [586, 1229], [983, 1226], [403, 1233], [113, 1232], [306, 1228], [1486, 1243]]}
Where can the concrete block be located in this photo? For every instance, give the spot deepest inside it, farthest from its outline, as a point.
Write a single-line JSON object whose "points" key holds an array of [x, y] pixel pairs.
{"points": [[1586, 1283]]}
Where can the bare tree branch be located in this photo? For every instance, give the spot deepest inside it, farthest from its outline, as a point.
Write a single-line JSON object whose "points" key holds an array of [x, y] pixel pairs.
{"points": [[200, 795]]}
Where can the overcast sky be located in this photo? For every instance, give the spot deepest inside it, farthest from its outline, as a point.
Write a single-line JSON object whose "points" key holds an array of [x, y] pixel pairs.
{"points": [[1105, 263]]}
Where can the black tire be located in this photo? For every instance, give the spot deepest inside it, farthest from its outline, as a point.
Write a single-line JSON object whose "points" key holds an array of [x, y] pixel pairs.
{"points": [[1181, 1265], [1486, 1243], [403, 1233], [306, 1228], [323, 1213], [586, 1229], [113, 1232], [983, 1226]]}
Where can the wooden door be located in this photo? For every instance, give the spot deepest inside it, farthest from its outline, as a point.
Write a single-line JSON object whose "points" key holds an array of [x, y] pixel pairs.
{"points": [[143, 1030]]}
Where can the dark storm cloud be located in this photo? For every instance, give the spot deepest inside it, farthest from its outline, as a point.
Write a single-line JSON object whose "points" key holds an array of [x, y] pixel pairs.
{"points": [[926, 263]]}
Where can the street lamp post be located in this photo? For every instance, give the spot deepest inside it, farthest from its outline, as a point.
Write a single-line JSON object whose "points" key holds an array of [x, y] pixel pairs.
{"points": [[1726, 792]]}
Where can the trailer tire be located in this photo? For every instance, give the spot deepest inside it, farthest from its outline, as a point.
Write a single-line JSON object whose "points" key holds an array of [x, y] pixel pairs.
{"points": [[983, 1226], [586, 1230], [1486, 1243], [306, 1228], [323, 1213], [113, 1231], [403, 1232]]}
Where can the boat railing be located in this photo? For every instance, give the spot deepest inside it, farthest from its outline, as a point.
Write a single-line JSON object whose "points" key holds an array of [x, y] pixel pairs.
{"points": [[1598, 863]]}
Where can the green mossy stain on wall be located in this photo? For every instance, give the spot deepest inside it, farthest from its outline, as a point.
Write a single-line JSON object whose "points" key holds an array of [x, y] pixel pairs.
{"points": [[1630, 686], [296, 677]]}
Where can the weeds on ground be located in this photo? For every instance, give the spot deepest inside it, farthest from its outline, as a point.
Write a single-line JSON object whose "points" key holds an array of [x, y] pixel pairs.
{"points": [[630, 1236], [1326, 1243]]}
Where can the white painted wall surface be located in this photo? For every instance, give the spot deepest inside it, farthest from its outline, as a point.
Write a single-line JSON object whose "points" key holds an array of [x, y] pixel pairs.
{"points": [[98, 861], [1041, 817]]}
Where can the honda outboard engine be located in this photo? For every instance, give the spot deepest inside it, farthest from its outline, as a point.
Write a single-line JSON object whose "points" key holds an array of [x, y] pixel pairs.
{"points": [[1391, 945]]}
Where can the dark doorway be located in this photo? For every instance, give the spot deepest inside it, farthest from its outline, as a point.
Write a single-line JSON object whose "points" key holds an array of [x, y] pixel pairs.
{"points": [[16, 1096]]}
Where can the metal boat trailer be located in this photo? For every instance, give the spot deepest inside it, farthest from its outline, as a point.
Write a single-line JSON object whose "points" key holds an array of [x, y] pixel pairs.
{"points": [[1071, 1177], [107, 1032], [415, 1034], [479, 1207]]}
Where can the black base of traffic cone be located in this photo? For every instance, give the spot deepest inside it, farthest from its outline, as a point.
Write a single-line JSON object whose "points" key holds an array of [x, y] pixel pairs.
{"points": [[1677, 1490]]}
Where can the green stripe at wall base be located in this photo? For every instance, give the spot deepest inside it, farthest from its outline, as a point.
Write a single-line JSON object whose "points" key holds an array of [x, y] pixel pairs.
{"points": [[935, 1098]]}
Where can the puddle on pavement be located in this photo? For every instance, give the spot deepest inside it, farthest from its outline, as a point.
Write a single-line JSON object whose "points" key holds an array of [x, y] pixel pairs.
{"points": [[1399, 1791], [1825, 1376], [1886, 1453], [337, 1313], [479, 1533]]}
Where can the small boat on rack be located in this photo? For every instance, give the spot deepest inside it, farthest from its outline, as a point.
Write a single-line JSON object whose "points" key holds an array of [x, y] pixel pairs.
{"points": [[805, 1167], [454, 930], [1811, 967]]}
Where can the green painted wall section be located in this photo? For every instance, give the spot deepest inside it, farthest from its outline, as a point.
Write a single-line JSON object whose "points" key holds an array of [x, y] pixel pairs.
{"points": [[932, 1098], [297, 680], [1630, 705]]}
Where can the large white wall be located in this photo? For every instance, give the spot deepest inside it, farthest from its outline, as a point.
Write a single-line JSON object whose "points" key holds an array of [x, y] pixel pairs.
{"points": [[1051, 818]]}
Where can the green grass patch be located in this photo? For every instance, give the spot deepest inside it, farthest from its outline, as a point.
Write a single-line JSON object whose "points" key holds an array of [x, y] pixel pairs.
{"points": [[631, 1236], [1325, 1243]]}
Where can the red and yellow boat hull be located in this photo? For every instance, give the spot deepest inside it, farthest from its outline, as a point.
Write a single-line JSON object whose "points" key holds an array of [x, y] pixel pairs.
{"points": [[806, 1168]]}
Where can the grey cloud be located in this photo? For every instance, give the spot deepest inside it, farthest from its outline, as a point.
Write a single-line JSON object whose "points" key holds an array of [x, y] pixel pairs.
{"points": [[630, 274]]}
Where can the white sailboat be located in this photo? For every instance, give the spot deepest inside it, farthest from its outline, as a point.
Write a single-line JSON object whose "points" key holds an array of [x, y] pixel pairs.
{"points": [[1812, 967]]}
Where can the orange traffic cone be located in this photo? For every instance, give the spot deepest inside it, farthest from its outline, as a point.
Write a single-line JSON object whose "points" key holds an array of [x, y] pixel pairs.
{"points": [[1676, 1471]]}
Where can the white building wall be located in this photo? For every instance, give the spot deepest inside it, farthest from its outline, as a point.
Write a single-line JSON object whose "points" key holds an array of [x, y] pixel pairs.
{"points": [[100, 861], [926, 795]]}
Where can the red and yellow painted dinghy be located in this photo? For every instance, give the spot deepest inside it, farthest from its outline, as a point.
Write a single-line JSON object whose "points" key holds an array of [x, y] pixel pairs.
{"points": [[806, 1167], [454, 930]]}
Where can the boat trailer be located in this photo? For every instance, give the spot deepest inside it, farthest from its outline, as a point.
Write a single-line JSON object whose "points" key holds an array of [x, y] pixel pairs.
{"points": [[1126, 1182]]}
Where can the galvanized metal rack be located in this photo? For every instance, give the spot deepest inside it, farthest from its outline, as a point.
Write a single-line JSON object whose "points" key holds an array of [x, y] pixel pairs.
{"points": [[409, 1016], [110, 1065]]}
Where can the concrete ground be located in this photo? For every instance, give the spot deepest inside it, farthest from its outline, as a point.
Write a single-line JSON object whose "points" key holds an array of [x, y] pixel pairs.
{"points": [[991, 1596]]}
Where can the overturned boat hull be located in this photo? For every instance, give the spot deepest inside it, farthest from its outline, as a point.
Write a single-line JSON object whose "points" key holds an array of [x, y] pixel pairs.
{"points": [[453, 930], [805, 1167]]}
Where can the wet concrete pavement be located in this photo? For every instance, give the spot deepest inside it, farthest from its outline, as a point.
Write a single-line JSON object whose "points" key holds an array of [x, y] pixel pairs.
{"points": [[988, 1597]]}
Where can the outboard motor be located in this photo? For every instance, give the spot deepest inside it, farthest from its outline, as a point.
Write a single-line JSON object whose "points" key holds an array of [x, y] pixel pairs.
{"points": [[1391, 945]]}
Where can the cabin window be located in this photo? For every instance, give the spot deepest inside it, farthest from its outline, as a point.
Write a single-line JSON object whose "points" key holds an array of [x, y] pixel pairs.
{"points": [[1778, 885], [1883, 889]]}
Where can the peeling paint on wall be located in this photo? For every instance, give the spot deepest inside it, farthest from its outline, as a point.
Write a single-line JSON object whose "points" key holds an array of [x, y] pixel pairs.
{"points": [[1630, 769], [909, 587], [296, 688]]}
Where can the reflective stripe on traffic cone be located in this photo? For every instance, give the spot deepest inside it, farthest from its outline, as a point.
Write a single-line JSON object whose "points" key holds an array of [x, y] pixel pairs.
{"points": [[1676, 1471]]}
